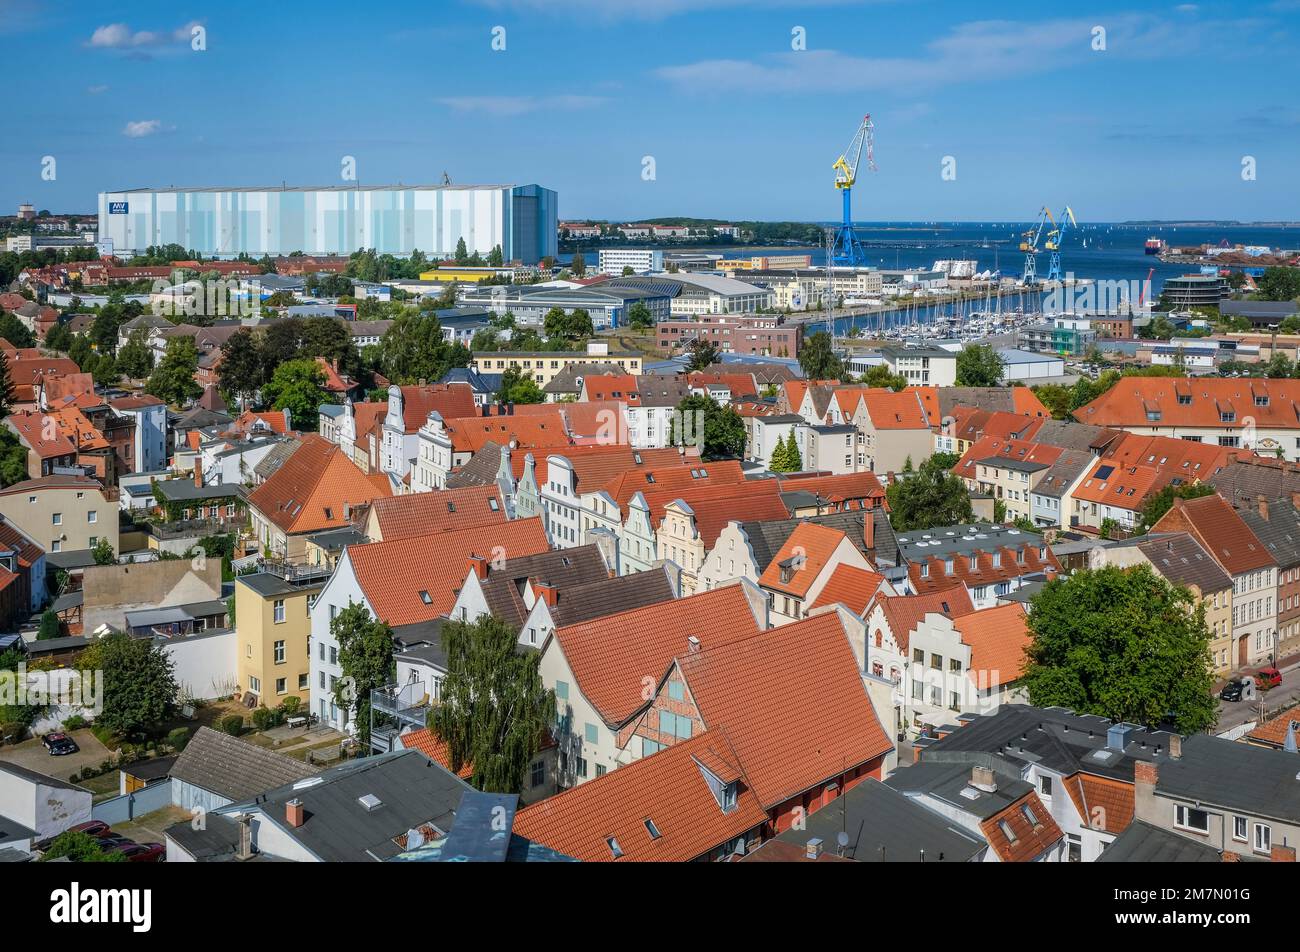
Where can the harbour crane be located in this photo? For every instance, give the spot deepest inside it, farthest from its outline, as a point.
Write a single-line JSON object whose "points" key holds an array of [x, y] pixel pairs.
{"points": [[1055, 239], [1029, 245], [847, 250]]}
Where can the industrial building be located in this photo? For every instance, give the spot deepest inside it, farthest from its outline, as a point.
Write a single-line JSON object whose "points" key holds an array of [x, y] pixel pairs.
{"points": [[607, 306], [612, 261], [391, 219]]}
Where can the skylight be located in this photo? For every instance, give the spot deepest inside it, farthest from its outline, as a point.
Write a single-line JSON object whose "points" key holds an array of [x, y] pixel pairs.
{"points": [[614, 848], [652, 829]]}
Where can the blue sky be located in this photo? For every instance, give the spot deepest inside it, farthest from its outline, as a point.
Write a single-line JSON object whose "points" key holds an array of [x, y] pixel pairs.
{"points": [[740, 125]]}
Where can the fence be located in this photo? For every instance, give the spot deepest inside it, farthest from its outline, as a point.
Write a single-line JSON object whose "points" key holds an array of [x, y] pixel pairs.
{"points": [[131, 805]]}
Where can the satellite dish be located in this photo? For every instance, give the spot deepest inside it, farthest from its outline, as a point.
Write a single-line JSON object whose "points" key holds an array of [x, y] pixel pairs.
{"points": [[842, 838]]}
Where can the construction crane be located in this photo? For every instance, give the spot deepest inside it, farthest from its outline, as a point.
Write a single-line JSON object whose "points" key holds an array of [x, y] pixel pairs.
{"points": [[1029, 245], [847, 250], [1055, 239]]}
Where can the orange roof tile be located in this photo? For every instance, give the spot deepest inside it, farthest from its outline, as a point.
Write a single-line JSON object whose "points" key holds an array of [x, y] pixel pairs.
{"points": [[715, 506], [45, 441], [596, 466], [610, 657], [1030, 839], [896, 411], [851, 586], [838, 488], [801, 559], [272, 419], [1273, 732], [998, 638], [313, 489], [668, 789], [750, 689], [429, 744], [669, 474], [1221, 532], [451, 400], [1196, 402], [416, 514], [1116, 799], [469, 434], [904, 612], [1114, 485], [397, 576]]}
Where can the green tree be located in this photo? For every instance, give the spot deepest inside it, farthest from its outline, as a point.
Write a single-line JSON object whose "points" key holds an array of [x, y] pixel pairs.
{"points": [[1279, 284], [786, 457], [568, 326], [58, 338], [880, 377], [79, 847], [494, 709], [1056, 398], [701, 354], [518, 387], [281, 342], [1124, 644], [462, 252], [496, 258], [933, 496], [51, 626], [103, 553], [639, 317], [414, 349], [578, 267], [818, 360], [366, 657], [13, 458], [979, 365], [718, 431], [298, 386], [139, 683], [15, 331], [241, 370], [172, 381], [135, 360], [7, 393], [1160, 503]]}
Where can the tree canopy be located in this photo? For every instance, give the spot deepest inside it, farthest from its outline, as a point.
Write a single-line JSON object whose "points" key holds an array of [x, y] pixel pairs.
{"points": [[139, 683], [1124, 644], [1160, 503], [701, 354], [979, 365], [172, 381], [932, 496], [721, 435], [817, 358], [298, 386], [366, 657], [518, 387], [494, 709], [785, 456]]}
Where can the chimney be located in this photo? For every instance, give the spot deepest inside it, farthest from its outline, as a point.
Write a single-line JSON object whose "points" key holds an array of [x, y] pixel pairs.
{"points": [[982, 778], [245, 837], [1175, 747], [293, 813], [1145, 775], [478, 565], [814, 849], [547, 592], [869, 530], [1261, 504], [198, 472], [1282, 854]]}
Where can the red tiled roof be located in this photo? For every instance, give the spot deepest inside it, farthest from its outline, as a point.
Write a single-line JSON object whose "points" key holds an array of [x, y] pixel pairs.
{"points": [[1196, 402], [1109, 483], [715, 506], [839, 488], [45, 442], [752, 688], [1221, 532], [1273, 732], [273, 419], [394, 574], [670, 474], [597, 467], [610, 657], [668, 789], [998, 638], [451, 400], [314, 487], [428, 743], [416, 514], [808, 550], [136, 402], [1115, 798], [905, 612], [896, 411], [469, 434], [850, 586], [1031, 839], [994, 448], [11, 537]]}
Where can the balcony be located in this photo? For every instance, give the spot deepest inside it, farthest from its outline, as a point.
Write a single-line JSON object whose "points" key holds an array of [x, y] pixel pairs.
{"points": [[296, 573], [395, 707]]}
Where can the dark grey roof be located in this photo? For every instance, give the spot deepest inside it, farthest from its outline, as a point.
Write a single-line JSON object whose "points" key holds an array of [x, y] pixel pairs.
{"points": [[70, 559], [184, 490], [268, 585], [1269, 309], [503, 588], [1072, 435], [274, 459], [154, 769], [1279, 530], [885, 826], [233, 768], [481, 470], [412, 790], [566, 381], [662, 390], [216, 840], [201, 417], [333, 540], [947, 781], [1234, 776], [55, 645], [1242, 483], [963, 539], [1060, 740], [35, 776], [610, 596], [1012, 463], [1181, 559], [1143, 843], [983, 398], [1061, 475], [11, 831]]}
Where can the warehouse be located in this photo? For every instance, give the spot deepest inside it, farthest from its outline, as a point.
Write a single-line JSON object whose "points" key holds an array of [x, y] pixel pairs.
{"points": [[391, 219], [1023, 365]]}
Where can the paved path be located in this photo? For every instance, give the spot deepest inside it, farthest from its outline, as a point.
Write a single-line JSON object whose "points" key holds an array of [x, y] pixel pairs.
{"points": [[33, 755]]}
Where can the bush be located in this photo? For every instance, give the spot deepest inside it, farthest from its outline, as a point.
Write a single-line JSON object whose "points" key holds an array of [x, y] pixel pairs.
{"points": [[75, 722], [232, 724], [178, 738], [80, 848], [264, 718], [12, 731], [290, 706]]}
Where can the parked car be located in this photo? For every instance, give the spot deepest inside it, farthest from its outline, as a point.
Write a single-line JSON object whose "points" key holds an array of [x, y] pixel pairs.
{"points": [[1232, 691], [96, 828], [1268, 677], [143, 852], [115, 842], [59, 744]]}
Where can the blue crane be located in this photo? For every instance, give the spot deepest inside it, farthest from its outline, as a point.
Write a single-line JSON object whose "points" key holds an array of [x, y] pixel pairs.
{"points": [[846, 250], [1055, 240], [1029, 245]]}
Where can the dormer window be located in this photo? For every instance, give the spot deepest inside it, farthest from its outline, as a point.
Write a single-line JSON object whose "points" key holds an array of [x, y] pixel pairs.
{"points": [[1227, 416], [729, 795], [1184, 399], [1261, 399]]}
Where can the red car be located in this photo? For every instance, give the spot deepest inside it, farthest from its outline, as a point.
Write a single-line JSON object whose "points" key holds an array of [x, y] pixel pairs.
{"points": [[1268, 677], [96, 828], [143, 852]]}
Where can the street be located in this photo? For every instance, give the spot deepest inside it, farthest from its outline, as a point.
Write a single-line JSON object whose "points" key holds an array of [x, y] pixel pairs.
{"points": [[1285, 695]]}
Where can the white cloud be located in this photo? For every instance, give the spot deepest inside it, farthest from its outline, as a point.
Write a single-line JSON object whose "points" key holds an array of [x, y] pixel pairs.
{"points": [[138, 130], [119, 36], [520, 105], [609, 10], [96, 90]]}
